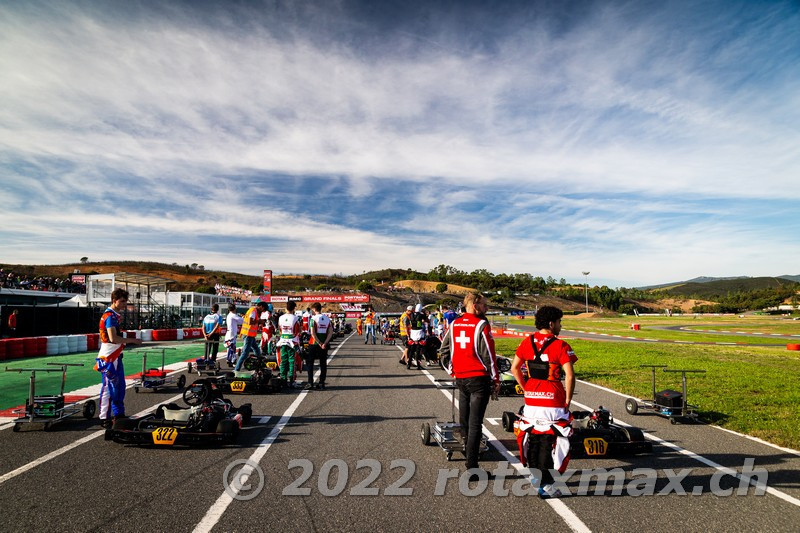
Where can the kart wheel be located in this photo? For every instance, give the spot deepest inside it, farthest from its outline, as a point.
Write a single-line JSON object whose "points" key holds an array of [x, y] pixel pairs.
{"points": [[89, 408], [182, 381], [108, 435], [449, 456], [47, 426], [426, 434], [631, 406], [125, 424], [189, 367], [633, 434], [230, 429], [136, 390], [246, 411], [16, 427], [508, 421], [673, 420]]}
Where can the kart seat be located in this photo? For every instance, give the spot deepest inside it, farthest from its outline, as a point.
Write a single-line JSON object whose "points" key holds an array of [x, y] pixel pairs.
{"points": [[177, 415]]}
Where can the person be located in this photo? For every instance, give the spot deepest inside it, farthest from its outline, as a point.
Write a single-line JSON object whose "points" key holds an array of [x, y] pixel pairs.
{"points": [[473, 364], [109, 360], [449, 315], [252, 320], [212, 324], [321, 335], [233, 322], [369, 322], [416, 334], [12, 323], [545, 420], [306, 319], [289, 328], [433, 320], [267, 329], [359, 326], [405, 326]]}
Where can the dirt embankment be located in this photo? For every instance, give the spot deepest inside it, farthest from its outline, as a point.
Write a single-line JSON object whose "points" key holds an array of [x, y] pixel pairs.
{"points": [[684, 304], [430, 287]]}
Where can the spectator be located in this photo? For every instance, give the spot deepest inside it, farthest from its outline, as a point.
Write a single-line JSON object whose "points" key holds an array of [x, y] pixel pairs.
{"points": [[12, 323]]}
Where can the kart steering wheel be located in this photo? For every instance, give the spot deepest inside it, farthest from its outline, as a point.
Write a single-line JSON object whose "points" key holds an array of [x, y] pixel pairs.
{"points": [[197, 393]]}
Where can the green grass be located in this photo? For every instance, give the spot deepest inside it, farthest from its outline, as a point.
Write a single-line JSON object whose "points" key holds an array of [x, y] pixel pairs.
{"points": [[14, 386], [621, 326], [747, 389]]}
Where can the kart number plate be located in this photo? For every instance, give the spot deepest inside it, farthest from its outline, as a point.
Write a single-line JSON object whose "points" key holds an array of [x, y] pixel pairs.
{"points": [[595, 446], [238, 386], [272, 365], [165, 436], [518, 389]]}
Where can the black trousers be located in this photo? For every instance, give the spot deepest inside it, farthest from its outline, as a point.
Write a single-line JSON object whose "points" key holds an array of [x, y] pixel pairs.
{"points": [[316, 352], [540, 455], [414, 353], [212, 347], [473, 397]]}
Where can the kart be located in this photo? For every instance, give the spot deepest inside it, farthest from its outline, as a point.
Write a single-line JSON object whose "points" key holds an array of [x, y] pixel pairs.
{"points": [[210, 419], [258, 381], [594, 434], [508, 384]]}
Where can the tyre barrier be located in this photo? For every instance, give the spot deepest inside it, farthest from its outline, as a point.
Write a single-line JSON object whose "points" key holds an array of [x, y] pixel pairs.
{"points": [[147, 335], [15, 349], [52, 345], [793, 347], [178, 334]]}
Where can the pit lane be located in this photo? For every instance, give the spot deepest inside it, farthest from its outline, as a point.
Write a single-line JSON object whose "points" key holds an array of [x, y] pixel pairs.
{"points": [[372, 410]]}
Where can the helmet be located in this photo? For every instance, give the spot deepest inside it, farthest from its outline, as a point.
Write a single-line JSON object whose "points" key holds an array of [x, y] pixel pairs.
{"points": [[418, 308]]}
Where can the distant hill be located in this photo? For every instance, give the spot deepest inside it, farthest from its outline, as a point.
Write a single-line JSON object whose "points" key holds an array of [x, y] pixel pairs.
{"points": [[793, 278], [712, 290], [700, 279]]}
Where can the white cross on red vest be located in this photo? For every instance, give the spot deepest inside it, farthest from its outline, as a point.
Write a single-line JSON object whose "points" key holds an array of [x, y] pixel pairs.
{"points": [[462, 339]]}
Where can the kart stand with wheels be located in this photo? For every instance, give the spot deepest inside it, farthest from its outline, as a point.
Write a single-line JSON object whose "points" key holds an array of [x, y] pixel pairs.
{"points": [[667, 403], [448, 434], [50, 410], [154, 378], [201, 365]]}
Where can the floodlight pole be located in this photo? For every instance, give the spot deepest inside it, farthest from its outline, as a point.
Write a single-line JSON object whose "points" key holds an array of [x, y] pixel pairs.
{"points": [[586, 290]]}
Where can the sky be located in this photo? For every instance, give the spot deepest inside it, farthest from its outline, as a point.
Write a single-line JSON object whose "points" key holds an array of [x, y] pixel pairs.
{"points": [[643, 142]]}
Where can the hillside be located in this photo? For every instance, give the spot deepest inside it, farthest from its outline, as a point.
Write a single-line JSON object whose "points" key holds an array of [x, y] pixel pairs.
{"points": [[714, 290]]}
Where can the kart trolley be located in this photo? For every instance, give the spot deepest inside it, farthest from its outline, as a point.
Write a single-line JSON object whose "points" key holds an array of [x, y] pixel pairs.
{"points": [[201, 365], [667, 403], [154, 378], [49, 410], [448, 434]]}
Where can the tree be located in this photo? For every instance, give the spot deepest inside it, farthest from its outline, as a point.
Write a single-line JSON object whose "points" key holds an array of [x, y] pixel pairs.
{"points": [[441, 288], [363, 286], [200, 267], [194, 266], [84, 260]]}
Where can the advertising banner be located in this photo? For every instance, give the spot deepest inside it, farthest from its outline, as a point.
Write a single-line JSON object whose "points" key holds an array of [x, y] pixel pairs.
{"points": [[267, 282]]}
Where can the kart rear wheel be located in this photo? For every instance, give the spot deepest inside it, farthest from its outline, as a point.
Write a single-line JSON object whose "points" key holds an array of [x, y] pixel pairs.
{"points": [[136, 390], [230, 429], [182, 381], [631, 406], [426, 434], [189, 367], [89, 408], [508, 421], [16, 427], [673, 420], [125, 424], [633, 434], [246, 411]]}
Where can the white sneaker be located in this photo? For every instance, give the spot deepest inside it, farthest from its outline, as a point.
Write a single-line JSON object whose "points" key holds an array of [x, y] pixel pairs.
{"points": [[534, 480], [549, 491]]}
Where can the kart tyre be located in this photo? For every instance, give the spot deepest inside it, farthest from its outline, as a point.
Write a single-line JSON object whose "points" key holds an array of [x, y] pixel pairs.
{"points": [[47, 426], [182, 381], [230, 430], [89, 409], [136, 390], [631, 406], [125, 424], [426, 434], [246, 411], [508, 421], [16, 427], [449, 456], [673, 420], [108, 435], [189, 367], [633, 434]]}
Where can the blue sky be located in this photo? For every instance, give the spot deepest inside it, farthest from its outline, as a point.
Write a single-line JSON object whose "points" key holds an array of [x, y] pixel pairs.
{"points": [[644, 142]]}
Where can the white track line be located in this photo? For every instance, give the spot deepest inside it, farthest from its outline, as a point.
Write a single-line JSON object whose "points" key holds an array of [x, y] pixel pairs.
{"points": [[68, 447], [697, 457], [561, 509], [219, 507]]}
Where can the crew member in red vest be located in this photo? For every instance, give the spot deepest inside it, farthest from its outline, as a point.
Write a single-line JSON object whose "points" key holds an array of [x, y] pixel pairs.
{"points": [[473, 363], [544, 427]]}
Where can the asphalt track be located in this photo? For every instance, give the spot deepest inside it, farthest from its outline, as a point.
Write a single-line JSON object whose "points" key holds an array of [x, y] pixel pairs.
{"points": [[369, 417]]}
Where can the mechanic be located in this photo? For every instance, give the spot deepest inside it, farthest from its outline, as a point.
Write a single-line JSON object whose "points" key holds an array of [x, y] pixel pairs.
{"points": [[233, 322], [252, 320], [545, 421], [212, 324], [306, 319], [321, 335], [359, 326], [289, 327], [473, 362], [405, 326], [109, 360], [416, 334]]}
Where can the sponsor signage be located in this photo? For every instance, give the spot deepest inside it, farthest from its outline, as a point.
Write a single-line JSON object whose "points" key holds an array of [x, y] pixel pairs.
{"points": [[78, 278], [323, 298], [352, 307], [268, 282], [352, 315]]}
